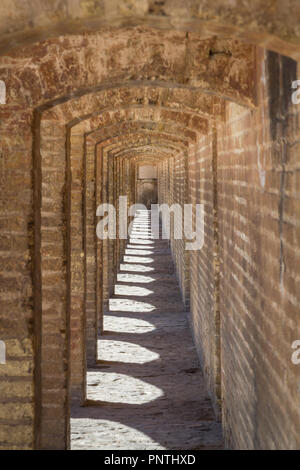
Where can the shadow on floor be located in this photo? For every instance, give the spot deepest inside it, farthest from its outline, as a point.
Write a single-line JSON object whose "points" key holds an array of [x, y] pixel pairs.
{"points": [[147, 390]]}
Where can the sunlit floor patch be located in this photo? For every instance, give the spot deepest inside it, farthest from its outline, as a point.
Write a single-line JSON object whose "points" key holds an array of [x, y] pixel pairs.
{"points": [[131, 251], [139, 247], [124, 352], [136, 267], [137, 259], [141, 222], [104, 431], [138, 241], [141, 237], [108, 387], [119, 324], [139, 231], [127, 305], [132, 278], [140, 234], [132, 290]]}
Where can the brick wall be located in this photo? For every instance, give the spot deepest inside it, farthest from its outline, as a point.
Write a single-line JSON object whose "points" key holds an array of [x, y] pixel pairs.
{"points": [[258, 165], [204, 315], [244, 292], [244, 283]]}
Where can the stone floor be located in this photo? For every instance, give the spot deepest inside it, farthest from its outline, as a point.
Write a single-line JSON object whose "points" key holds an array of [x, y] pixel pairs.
{"points": [[147, 390]]}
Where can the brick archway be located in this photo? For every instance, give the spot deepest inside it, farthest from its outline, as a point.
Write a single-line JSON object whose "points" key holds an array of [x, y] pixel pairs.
{"points": [[217, 111]]}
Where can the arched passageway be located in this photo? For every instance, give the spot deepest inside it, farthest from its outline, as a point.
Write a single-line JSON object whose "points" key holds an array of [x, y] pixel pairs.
{"points": [[204, 94], [140, 393]]}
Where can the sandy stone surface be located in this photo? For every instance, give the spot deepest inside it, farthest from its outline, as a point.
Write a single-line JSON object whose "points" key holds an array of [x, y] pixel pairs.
{"points": [[147, 390]]}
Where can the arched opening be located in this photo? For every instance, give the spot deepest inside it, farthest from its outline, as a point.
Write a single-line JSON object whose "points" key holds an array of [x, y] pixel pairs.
{"points": [[147, 185], [186, 109]]}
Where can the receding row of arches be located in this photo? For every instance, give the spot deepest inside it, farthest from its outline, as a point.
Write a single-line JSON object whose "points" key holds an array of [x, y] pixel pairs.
{"points": [[212, 112]]}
